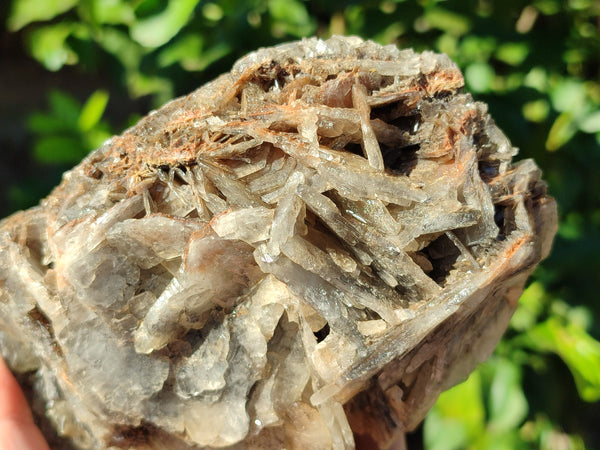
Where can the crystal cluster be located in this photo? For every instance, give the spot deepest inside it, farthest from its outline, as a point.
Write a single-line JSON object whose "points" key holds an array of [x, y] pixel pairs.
{"points": [[306, 250]]}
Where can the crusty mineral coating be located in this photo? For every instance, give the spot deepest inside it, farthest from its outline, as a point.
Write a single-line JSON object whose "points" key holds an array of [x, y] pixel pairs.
{"points": [[310, 247]]}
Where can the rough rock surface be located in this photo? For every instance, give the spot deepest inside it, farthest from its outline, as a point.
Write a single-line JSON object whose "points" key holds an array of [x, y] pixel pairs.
{"points": [[310, 247]]}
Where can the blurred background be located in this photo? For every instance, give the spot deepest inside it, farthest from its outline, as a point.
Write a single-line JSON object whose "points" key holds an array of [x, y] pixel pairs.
{"points": [[74, 72]]}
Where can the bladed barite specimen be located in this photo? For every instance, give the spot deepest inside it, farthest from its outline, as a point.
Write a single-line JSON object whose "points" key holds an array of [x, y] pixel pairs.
{"points": [[308, 249]]}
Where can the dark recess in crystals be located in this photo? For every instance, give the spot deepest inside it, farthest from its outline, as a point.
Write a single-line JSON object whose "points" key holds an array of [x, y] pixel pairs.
{"points": [[322, 333], [488, 169], [400, 160], [442, 253], [354, 148], [504, 217], [127, 437]]}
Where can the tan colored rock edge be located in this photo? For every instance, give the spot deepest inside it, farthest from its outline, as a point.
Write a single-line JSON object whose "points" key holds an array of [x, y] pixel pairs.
{"points": [[310, 247]]}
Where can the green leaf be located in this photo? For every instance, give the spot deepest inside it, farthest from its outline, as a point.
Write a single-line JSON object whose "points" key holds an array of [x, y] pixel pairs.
{"points": [[458, 416], [572, 226], [159, 29], [591, 123], [580, 316], [185, 48], [513, 53], [537, 78], [390, 34], [49, 46], [536, 110], [561, 132], [58, 150], [212, 12], [290, 17], [448, 21], [508, 405], [95, 138], [479, 77], [140, 85], [569, 96], [112, 12], [507, 440], [443, 433], [118, 43], [548, 7], [25, 12], [448, 44], [579, 351], [477, 48], [92, 111], [207, 57], [531, 305]]}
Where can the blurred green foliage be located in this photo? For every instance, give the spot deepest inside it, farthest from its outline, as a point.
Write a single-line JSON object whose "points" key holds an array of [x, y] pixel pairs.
{"points": [[69, 131], [535, 63]]}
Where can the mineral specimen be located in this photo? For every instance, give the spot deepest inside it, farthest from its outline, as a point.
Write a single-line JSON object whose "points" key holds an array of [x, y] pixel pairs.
{"points": [[306, 250]]}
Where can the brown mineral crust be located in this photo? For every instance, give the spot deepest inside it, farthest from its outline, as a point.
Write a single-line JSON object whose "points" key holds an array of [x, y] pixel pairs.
{"points": [[134, 154], [313, 245]]}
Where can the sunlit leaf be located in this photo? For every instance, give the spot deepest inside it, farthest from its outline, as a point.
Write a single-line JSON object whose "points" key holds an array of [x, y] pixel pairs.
{"points": [[537, 110], [188, 47], [548, 7], [118, 43], [25, 12], [95, 138], [512, 82], [568, 96], [140, 85], [212, 11], [563, 129], [579, 351], [448, 44], [508, 405], [445, 20], [479, 77], [443, 433], [390, 34], [49, 46], [207, 57], [475, 48], [458, 416], [112, 12], [581, 5], [537, 78], [506, 440], [591, 123], [580, 316], [354, 18], [531, 305], [290, 17], [159, 29], [92, 110], [513, 53]]}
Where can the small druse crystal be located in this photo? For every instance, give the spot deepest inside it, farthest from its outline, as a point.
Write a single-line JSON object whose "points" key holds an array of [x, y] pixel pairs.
{"points": [[308, 249]]}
